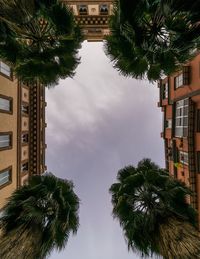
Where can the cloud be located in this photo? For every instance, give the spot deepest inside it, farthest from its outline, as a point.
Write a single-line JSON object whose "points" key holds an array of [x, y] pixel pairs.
{"points": [[99, 122]]}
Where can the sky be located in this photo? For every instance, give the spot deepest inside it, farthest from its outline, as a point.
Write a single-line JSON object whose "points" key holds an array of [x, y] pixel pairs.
{"points": [[97, 123]]}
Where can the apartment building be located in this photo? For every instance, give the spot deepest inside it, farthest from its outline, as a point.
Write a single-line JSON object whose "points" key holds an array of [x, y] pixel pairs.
{"points": [[22, 132], [92, 17], [180, 102]]}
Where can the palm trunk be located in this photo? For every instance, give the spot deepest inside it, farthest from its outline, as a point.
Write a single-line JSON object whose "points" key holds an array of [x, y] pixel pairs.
{"points": [[20, 243], [178, 240]]}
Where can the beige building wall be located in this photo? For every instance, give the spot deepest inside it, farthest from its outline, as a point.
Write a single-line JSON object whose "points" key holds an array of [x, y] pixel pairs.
{"points": [[22, 117], [8, 123]]}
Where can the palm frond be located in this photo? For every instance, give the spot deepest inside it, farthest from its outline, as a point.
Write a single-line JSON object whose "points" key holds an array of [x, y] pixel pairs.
{"points": [[47, 204], [160, 37], [45, 39], [145, 199]]}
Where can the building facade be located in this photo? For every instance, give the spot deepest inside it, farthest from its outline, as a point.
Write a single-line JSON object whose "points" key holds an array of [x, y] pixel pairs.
{"points": [[22, 132], [180, 103], [92, 17]]}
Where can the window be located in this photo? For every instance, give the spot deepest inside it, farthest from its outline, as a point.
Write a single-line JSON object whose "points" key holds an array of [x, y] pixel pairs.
{"points": [[5, 140], [183, 157], [5, 104], [24, 109], [5, 177], [104, 9], [183, 78], [24, 138], [24, 167], [5, 69], [178, 81], [181, 118], [83, 9], [168, 123], [165, 91]]}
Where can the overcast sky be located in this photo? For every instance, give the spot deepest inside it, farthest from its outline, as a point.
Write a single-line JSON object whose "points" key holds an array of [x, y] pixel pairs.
{"points": [[97, 123]]}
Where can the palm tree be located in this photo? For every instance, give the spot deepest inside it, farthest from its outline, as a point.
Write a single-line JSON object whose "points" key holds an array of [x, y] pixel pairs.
{"points": [[40, 39], [39, 217], [152, 37], [152, 210]]}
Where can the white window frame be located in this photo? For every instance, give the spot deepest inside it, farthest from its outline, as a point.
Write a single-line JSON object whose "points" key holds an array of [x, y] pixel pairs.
{"points": [[181, 116], [179, 81]]}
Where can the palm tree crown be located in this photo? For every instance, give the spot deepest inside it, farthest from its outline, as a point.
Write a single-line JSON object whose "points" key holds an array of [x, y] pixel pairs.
{"points": [[40, 39], [152, 38], [145, 200], [40, 216]]}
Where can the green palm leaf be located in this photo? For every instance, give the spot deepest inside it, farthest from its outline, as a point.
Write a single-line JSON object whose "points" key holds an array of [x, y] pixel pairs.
{"points": [[146, 200], [48, 208], [44, 37], [152, 38]]}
